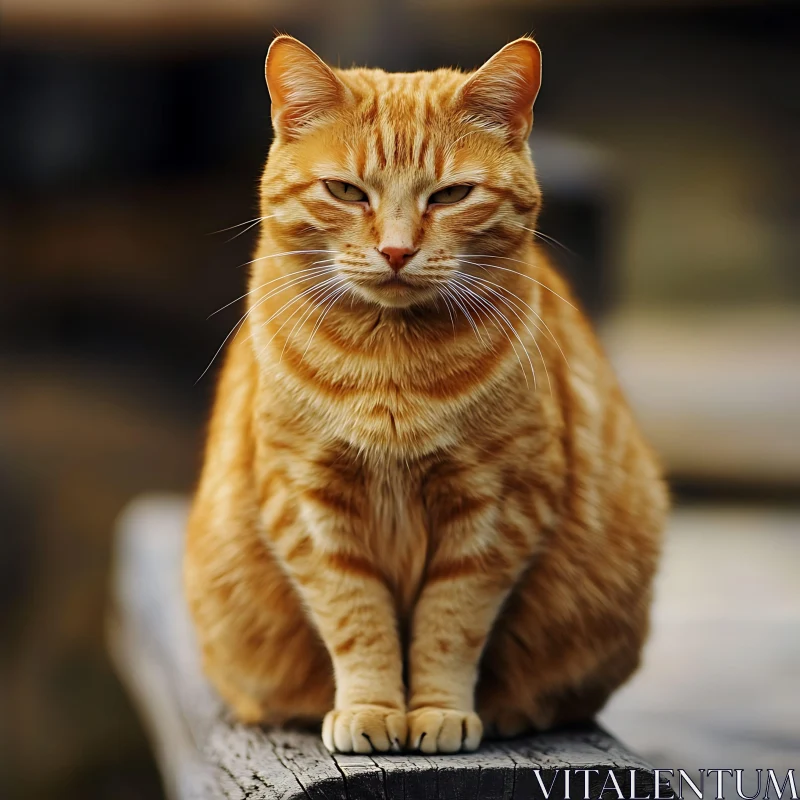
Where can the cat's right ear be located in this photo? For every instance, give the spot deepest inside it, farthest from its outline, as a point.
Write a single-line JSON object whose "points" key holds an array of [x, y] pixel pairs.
{"points": [[301, 85], [502, 92]]}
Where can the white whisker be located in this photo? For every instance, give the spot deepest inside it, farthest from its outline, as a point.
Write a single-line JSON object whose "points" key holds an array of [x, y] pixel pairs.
{"points": [[491, 309], [449, 300], [249, 227], [306, 295], [518, 301], [457, 298], [482, 282], [463, 258], [302, 305], [287, 253], [547, 238], [463, 136], [337, 294], [238, 325], [291, 300], [317, 297], [237, 225], [309, 270], [449, 312], [280, 289]]}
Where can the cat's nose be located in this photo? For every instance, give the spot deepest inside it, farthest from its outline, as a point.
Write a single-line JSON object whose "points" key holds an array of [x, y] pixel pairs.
{"points": [[397, 256]]}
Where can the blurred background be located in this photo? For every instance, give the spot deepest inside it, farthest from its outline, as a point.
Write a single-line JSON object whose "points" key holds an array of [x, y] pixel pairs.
{"points": [[666, 138]]}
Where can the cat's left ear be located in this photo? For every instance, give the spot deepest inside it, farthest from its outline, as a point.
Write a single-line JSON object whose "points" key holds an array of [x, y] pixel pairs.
{"points": [[303, 88], [502, 92]]}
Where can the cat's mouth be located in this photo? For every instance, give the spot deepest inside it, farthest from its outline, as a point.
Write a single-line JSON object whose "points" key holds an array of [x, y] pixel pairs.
{"points": [[395, 279], [396, 290]]}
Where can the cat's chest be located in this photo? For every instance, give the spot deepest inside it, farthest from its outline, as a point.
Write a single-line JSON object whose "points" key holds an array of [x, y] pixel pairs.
{"points": [[397, 534]]}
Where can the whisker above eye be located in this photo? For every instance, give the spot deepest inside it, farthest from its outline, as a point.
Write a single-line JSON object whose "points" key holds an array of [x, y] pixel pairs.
{"points": [[452, 144]]}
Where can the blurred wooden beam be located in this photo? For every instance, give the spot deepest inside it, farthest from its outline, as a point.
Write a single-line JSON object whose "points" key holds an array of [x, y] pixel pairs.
{"points": [[175, 18], [583, 5], [717, 392], [151, 19]]}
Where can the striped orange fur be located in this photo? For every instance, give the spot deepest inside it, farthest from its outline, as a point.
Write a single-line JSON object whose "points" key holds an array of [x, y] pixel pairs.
{"points": [[425, 511]]}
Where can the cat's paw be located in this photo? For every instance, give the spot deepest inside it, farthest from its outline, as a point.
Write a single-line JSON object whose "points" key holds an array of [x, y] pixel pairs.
{"points": [[364, 729], [441, 730]]}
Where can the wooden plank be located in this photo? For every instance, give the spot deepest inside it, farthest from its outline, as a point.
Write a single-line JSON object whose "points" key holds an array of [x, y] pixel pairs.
{"points": [[408, 775], [203, 754], [363, 777], [251, 764], [311, 763]]}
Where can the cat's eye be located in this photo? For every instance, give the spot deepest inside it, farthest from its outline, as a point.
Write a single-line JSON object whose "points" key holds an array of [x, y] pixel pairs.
{"points": [[450, 195], [346, 191]]}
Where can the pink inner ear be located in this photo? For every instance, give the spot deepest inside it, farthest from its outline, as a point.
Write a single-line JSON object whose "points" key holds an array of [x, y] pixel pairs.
{"points": [[504, 89], [300, 84]]}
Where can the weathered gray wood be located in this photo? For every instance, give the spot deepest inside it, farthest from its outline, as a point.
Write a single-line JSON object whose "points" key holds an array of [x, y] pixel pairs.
{"points": [[203, 754]]}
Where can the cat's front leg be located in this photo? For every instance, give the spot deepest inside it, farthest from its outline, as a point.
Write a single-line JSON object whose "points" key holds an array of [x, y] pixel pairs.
{"points": [[466, 584], [354, 613]]}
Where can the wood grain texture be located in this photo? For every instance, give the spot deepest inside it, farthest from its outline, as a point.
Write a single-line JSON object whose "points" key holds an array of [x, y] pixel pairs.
{"points": [[202, 754]]}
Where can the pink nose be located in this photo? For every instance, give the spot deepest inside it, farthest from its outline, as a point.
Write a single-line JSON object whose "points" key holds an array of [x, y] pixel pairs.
{"points": [[396, 256]]}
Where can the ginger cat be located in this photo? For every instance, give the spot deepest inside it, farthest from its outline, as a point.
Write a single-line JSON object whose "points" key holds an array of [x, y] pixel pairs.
{"points": [[426, 512]]}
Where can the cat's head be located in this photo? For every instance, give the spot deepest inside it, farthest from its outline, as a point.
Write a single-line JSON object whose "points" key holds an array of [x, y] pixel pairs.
{"points": [[399, 181]]}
